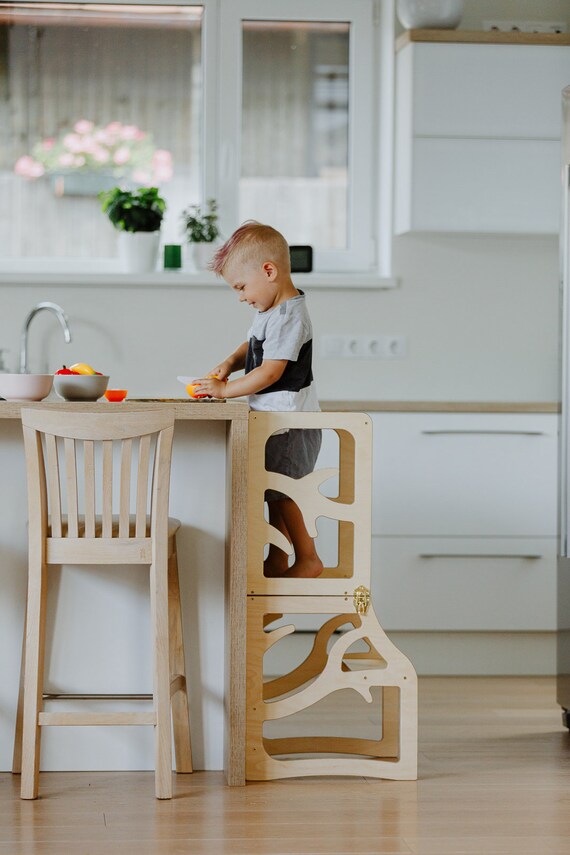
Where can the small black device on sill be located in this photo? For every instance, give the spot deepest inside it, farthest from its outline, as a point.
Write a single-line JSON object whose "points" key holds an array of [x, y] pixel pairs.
{"points": [[301, 259]]}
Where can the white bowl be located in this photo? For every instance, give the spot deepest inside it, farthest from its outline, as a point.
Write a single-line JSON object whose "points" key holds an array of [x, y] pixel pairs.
{"points": [[80, 387], [25, 387], [430, 14]]}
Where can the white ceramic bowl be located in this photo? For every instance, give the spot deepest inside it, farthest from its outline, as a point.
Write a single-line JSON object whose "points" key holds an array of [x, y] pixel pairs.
{"points": [[430, 14], [25, 387], [80, 387]]}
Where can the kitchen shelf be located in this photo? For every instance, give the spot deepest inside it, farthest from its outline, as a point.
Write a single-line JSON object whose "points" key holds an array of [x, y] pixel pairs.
{"points": [[482, 37]]}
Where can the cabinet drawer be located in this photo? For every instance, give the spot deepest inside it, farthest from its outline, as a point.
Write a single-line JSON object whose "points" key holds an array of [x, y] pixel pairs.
{"points": [[462, 474], [464, 583], [447, 184], [486, 90]]}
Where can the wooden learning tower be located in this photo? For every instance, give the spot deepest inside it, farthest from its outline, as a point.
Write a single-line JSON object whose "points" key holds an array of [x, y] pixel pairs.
{"points": [[350, 650]]}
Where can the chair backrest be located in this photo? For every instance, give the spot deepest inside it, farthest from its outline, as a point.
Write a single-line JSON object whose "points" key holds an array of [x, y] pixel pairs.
{"points": [[89, 465]]}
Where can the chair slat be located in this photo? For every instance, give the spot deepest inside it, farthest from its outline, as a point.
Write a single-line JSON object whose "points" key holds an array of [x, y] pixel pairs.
{"points": [[71, 482], [125, 488], [53, 485], [89, 472], [107, 489], [142, 486]]}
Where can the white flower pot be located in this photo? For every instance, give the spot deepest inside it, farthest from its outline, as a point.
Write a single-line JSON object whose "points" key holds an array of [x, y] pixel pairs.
{"points": [[197, 256], [138, 251], [430, 14]]}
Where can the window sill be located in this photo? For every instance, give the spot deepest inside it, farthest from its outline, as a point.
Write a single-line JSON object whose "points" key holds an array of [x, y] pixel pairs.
{"points": [[179, 279]]}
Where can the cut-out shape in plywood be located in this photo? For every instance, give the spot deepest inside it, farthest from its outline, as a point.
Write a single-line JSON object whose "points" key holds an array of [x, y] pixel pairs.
{"points": [[350, 654], [351, 508]]}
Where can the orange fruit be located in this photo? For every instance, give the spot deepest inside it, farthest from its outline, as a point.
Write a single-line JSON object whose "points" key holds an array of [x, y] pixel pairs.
{"points": [[191, 389]]}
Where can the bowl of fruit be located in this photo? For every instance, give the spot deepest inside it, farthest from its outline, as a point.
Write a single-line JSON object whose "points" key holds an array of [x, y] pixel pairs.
{"points": [[80, 382]]}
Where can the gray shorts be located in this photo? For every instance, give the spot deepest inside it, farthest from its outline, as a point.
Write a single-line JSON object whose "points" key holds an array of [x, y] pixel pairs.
{"points": [[293, 453]]}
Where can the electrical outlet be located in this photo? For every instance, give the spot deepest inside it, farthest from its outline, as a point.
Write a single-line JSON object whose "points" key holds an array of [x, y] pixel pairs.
{"points": [[526, 26], [363, 346]]}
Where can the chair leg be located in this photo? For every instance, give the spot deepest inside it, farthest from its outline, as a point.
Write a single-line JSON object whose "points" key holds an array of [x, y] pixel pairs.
{"points": [[18, 730], [34, 646], [159, 615], [179, 699]]}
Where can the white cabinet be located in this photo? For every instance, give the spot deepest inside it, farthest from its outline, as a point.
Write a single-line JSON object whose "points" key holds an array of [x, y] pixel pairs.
{"points": [[478, 137], [464, 521], [464, 584], [465, 474]]}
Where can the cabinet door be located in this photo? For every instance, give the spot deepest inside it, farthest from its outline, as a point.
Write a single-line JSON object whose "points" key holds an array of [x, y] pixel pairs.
{"points": [[464, 474], [467, 584], [487, 90], [477, 185]]}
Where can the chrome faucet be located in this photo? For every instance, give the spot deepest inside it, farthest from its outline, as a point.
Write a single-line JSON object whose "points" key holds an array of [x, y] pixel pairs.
{"points": [[62, 318]]}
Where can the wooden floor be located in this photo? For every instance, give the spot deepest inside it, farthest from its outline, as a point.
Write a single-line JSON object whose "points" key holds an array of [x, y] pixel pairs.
{"points": [[494, 780]]}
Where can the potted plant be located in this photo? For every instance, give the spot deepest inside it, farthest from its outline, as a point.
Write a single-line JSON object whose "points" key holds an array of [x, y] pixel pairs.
{"points": [[137, 214], [200, 230]]}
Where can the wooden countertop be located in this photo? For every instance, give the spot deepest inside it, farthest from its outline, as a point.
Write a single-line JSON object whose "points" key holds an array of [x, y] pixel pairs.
{"points": [[481, 37], [439, 407], [184, 408]]}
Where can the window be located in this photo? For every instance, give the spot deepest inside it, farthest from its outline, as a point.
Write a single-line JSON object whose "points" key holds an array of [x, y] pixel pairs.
{"points": [[266, 105]]}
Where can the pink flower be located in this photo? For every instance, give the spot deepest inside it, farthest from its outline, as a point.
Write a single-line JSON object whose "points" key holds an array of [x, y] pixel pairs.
{"points": [[161, 165], [100, 155], [66, 159], [114, 128], [28, 167], [130, 132], [48, 143], [83, 126], [122, 155], [162, 156], [104, 138], [162, 173], [73, 142], [79, 160]]}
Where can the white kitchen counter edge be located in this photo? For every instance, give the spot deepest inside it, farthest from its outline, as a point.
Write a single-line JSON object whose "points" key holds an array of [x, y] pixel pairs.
{"points": [[178, 279], [441, 406]]}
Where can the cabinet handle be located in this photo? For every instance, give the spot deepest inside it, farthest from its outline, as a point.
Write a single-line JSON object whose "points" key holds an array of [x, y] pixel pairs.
{"points": [[491, 432], [477, 555]]}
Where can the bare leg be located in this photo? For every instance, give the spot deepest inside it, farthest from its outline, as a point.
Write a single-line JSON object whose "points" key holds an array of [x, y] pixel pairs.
{"points": [[307, 562], [277, 561]]}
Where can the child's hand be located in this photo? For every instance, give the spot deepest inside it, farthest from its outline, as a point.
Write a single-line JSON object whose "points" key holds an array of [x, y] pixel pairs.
{"points": [[210, 387], [222, 371]]}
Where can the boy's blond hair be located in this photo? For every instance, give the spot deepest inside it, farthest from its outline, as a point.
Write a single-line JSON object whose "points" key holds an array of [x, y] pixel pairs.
{"points": [[253, 243]]}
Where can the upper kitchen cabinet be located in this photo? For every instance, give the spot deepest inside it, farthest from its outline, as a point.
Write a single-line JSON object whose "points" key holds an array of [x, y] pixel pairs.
{"points": [[478, 137]]}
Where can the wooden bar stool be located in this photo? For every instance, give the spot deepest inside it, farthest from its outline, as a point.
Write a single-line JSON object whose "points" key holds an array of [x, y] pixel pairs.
{"points": [[64, 528]]}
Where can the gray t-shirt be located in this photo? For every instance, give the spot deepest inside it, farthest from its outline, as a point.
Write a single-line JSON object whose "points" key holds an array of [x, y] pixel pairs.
{"points": [[284, 332]]}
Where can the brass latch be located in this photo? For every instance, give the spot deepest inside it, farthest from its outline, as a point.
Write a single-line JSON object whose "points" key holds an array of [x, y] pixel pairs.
{"points": [[361, 600]]}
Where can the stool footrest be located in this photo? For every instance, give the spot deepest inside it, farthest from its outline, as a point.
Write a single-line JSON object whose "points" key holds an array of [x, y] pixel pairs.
{"points": [[64, 719], [86, 696]]}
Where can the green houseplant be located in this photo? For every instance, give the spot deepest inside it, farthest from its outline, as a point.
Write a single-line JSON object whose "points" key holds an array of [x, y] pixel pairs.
{"points": [[137, 215], [201, 232]]}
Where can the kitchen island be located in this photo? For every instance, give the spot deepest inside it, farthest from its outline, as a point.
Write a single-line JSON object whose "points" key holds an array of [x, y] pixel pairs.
{"points": [[101, 616]]}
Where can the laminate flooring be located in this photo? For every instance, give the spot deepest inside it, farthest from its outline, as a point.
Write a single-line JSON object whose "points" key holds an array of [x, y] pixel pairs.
{"points": [[494, 779]]}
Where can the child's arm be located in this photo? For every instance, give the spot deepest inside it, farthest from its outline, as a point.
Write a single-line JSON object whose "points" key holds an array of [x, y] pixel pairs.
{"points": [[260, 378], [234, 362]]}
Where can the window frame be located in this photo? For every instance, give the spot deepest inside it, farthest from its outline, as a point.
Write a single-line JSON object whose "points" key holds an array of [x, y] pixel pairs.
{"points": [[370, 130]]}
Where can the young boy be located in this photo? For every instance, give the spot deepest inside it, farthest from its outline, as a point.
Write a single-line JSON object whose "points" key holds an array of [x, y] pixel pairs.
{"points": [[277, 359]]}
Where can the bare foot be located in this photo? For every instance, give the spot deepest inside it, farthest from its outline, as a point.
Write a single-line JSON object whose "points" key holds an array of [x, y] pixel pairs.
{"points": [[273, 568], [307, 568]]}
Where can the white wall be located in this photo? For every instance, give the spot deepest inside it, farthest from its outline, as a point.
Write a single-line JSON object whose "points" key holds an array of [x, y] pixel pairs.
{"points": [[480, 315]]}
